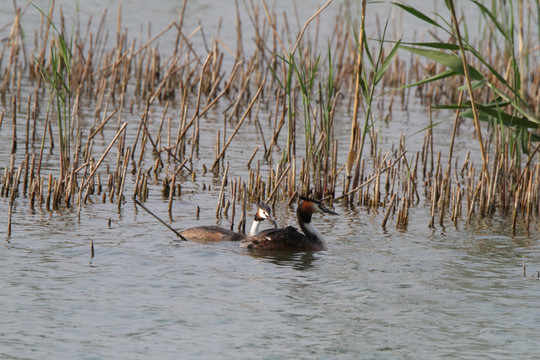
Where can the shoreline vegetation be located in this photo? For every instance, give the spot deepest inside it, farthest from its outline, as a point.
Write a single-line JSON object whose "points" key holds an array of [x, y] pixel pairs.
{"points": [[148, 105]]}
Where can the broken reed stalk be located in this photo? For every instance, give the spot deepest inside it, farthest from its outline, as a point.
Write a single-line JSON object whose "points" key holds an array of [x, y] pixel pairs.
{"points": [[355, 127], [391, 205], [252, 156], [155, 79], [374, 177], [90, 177], [451, 5], [159, 219], [222, 192], [171, 194], [278, 183], [246, 113], [123, 178], [306, 25]]}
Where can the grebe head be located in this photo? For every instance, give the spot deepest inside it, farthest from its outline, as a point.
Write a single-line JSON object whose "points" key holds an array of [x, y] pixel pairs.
{"points": [[309, 206], [304, 211], [289, 238], [264, 213]]}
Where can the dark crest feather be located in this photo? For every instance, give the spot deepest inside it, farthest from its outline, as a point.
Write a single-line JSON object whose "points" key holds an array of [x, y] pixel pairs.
{"points": [[264, 207]]}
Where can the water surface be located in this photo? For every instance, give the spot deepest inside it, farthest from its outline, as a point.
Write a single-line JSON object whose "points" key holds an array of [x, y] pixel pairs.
{"points": [[456, 292]]}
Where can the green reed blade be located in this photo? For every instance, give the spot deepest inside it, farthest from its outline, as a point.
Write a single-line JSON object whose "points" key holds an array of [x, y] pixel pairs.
{"points": [[451, 61]]}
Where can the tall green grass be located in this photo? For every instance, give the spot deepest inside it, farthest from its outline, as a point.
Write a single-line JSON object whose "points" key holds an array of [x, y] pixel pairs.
{"points": [[299, 73], [507, 106], [371, 67], [57, 76]]}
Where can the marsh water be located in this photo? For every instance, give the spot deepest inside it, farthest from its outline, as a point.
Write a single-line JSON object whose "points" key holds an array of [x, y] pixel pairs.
{"points": [[376, 293]]}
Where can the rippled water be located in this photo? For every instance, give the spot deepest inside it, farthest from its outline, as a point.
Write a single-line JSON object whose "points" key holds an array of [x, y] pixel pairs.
{"points": [[374, 294], [455, 292]]}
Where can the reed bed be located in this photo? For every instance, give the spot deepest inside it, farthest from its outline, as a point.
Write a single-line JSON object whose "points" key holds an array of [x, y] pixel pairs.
{"points": [[149, 105]]}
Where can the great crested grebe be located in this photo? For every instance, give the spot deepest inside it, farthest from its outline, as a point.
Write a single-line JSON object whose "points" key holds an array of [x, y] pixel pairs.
{"points": [[289, 238], [216, 233]]}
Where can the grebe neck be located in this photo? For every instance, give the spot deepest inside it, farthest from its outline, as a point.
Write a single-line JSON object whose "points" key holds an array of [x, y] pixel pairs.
{"points": [[304, 220], [254, 231]]}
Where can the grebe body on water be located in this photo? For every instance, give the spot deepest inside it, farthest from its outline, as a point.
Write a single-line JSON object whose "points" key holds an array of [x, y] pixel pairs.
{"points": [[217, 234], [289, 238]]}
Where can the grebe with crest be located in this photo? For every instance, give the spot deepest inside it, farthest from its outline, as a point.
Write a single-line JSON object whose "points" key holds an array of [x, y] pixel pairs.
{"points": [[289, 238], [216, 233]]}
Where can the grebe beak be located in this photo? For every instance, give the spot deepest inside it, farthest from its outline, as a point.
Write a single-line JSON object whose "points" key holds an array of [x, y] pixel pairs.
{"points": [[266, 214], [319, 205], [326, 210]]}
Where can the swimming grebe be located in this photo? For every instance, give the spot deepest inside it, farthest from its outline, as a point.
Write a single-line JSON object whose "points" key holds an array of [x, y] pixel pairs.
{"points": [[216, 233], [289, 238]]}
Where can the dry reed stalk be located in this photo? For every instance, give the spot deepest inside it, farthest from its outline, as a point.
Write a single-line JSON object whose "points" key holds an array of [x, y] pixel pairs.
{"points": [[259, 127], [25, 164], [355, 147], [221, 192], [443, 207], [160, 128], [528, 202], [391, 205], [252, 156], [171, 195], [307, 23], [278, 183], [474, 194], [99, 185], [10, 214], [12, 196], [403, 215], [138, 182], [246, 113], [454, 200], [146, 135], [99, 129], [368, 181], [277, 127], [234, 200], [226, 208], [516, 206], [123, 178], [4, 182], [470, 88], [144, 188], [198, 113], [14, 136], [90, 177], [2, 113], [242, 93], [49, 192], [106, 73], [159, 219], [33, 190], [242, 222], [40, 196], [72, 180]]}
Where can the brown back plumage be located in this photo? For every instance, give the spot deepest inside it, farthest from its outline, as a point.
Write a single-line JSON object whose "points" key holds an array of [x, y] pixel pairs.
{"points": [[211, 234], [214, 233], [289, 238]]}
